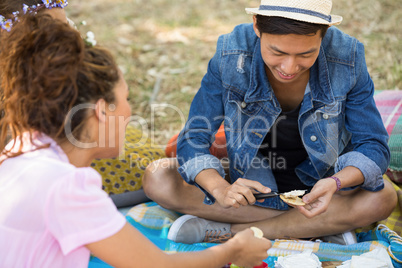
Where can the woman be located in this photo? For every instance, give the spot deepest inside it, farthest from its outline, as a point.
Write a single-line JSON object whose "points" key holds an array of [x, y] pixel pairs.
{"points": [[64, 105]]}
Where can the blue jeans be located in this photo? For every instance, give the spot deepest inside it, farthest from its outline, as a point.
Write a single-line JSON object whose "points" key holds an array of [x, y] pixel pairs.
{"points": [[260, 171]]}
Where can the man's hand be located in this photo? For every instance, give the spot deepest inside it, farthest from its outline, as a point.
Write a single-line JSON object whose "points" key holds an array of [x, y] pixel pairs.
{"points": [[240, 193], [317, 201]]}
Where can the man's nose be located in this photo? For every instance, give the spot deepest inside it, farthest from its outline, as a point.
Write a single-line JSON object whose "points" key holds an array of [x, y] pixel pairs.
{"points": [[289, 65]]}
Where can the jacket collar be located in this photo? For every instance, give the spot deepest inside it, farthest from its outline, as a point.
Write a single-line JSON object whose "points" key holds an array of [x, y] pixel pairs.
{"points": [[260, 88], [321, 90]]}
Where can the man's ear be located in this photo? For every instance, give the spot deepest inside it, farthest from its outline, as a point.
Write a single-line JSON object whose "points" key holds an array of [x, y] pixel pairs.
{"points": [[100, 110], [257, 32]]}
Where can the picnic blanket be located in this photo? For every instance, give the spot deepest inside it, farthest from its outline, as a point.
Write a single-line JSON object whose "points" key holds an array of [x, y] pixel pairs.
{"points": [[389, 104], [154, 221]]}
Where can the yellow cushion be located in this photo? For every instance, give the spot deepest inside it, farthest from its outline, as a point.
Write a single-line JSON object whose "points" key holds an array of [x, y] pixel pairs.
{"points": [[124, 173]]}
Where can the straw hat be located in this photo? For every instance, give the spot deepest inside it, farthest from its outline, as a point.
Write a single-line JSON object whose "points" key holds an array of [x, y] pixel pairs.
{"points": [[313, 11]]}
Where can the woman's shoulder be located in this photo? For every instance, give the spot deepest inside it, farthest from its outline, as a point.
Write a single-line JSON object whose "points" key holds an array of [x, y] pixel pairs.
{"points": [[75, 177], [43, 167], [76, 186]]}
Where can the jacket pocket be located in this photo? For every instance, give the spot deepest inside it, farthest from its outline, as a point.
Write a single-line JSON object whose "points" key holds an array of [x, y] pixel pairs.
{"points": [[330, 120]]}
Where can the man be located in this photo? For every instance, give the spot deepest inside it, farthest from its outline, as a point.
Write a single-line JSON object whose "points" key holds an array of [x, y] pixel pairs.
{"points": [[296, 101]]}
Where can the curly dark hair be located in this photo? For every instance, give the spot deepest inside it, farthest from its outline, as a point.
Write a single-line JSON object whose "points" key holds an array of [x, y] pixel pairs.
{"points": [[47, 69]]}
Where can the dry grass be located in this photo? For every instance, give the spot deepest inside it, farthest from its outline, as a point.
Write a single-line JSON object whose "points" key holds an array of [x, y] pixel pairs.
{"points": [[164, 46]]}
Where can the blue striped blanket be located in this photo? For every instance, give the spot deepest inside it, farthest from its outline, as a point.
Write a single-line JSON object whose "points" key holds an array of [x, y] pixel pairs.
{"points": [[154, 221]]}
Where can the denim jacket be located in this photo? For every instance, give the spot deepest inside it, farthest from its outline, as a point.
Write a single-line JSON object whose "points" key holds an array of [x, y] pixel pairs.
{"points": [[339, 123]]}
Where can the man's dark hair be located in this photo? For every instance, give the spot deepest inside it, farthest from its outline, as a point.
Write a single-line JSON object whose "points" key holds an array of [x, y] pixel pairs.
{"points": [[279, 25]]}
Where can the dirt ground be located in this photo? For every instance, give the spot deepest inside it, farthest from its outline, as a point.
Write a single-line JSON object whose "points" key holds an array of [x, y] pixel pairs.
{"points": [[163, 47]]}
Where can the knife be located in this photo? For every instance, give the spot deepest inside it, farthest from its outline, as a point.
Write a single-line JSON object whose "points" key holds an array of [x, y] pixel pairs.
{"points": [[263, 196]]}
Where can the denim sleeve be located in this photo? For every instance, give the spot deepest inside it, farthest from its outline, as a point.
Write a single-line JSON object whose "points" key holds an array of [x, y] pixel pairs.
{"points": [[373, 180], [205, 117], [362, 119]]}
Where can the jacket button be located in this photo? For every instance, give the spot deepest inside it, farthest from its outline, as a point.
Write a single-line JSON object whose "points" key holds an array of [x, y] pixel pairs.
{"points": [[243, 105], [325, 116], [313, 138]]}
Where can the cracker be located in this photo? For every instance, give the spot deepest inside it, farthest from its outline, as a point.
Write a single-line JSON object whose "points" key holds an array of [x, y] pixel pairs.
{"points": [[295, 201], [257, 232]]}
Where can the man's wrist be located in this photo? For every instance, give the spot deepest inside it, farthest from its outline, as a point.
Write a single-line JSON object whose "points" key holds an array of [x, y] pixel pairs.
{"points": [[219, 191], [338, 182], [211, 181]]}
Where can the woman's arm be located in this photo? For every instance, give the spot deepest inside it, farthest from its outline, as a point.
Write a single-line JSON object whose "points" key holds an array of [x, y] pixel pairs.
{"points": [[129, 248]]}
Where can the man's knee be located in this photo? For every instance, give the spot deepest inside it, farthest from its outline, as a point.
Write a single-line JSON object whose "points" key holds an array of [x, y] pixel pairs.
{"points": [[156, 177], [388, 200], [159, 180], [380, 204]]}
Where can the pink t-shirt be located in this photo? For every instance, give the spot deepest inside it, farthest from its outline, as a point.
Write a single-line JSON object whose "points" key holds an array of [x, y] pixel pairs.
{"points": [[51, 209]]}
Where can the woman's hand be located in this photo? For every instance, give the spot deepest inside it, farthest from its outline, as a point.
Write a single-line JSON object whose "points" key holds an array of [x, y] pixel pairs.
{"points": [[317, 201], [251, 250], [240, 193]]}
